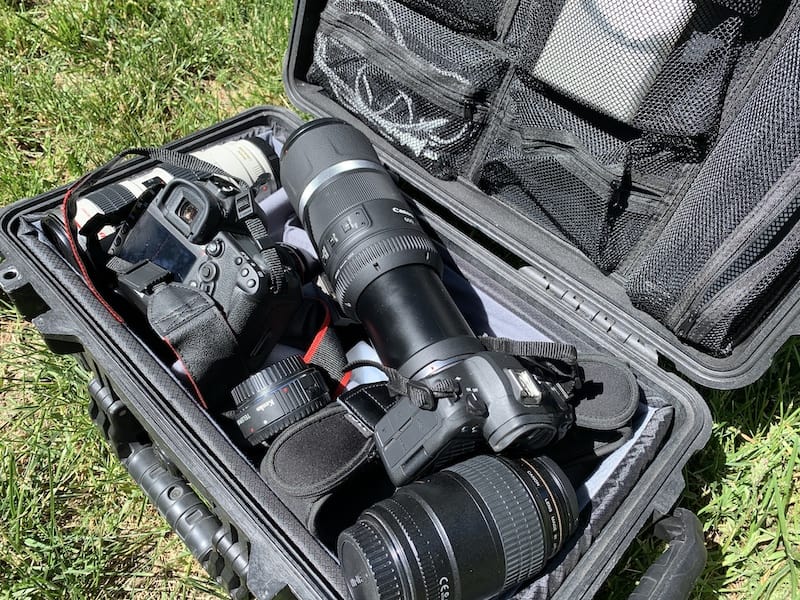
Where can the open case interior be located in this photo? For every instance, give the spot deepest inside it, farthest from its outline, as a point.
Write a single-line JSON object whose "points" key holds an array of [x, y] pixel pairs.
{"points": [[655, 223], [616, 497]]}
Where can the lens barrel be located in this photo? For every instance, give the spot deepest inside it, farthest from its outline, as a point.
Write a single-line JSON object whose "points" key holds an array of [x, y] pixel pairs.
{"points": [[278, 396], [384, 268], [421, 543]]}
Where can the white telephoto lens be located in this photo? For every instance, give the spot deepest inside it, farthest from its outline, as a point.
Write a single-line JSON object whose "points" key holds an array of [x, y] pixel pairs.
{"points": [[241, 159]]}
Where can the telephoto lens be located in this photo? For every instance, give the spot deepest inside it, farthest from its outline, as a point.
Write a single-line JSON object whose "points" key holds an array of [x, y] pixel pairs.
{"points": [[386, 274], [385, 270], [472, 531]]}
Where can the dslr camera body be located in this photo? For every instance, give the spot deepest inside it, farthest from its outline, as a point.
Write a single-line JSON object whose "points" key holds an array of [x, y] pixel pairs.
{"points": [[208, 235]]}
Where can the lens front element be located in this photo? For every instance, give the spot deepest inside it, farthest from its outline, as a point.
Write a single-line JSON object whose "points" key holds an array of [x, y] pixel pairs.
{"points": [[420, 544]]}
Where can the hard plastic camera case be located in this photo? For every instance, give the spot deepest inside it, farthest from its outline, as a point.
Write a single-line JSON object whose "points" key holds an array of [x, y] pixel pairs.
{"points": [[215, 498]]}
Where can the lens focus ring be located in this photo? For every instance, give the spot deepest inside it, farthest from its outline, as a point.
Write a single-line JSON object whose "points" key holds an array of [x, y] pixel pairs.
{"points": [[380, 256], [508, 502]]}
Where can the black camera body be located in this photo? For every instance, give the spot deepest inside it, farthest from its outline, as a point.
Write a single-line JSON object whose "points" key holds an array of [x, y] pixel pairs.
{"points": [[496, 400], [208, 235]]}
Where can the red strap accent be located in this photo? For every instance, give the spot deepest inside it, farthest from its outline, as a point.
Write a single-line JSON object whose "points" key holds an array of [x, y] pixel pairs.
{"points": [[188, 375], [315, 343], [342, 384], [323, 330], [77, 256]]}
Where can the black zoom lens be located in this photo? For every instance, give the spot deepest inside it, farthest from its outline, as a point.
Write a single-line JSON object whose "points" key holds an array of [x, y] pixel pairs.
{"points": [[278, 396], [384, 268], [471, 531]]}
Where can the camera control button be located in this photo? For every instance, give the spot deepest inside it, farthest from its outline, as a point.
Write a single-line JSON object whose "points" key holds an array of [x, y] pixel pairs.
{"points": [[207, 271], [214, 248], [251, 283], [192, 283], [238, 260], [207, 287], [244, 272], [476, 406]]}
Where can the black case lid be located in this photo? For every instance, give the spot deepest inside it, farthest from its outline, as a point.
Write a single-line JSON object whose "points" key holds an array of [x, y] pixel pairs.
{"points": [[556, 269]]}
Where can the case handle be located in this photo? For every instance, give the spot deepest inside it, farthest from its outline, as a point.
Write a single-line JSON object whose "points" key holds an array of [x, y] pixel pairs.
{"points": [[674, 574]]}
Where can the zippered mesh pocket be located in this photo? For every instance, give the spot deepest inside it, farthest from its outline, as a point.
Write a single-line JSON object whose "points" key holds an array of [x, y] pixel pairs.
{"points": [[742, 297], [661, 67], [578, 188], [477, 17], [416, 83], [718, 227], [686, 97]]}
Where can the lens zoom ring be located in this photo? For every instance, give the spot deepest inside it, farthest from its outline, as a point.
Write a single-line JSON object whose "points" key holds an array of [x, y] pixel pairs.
{"points": [[348, 272], [351, 189], [515, 515], [379, 560]]}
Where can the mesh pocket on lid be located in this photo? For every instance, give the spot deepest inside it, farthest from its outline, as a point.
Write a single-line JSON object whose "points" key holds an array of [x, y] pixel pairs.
{"points": [[686, 98], [757, 149], [416, 83], [569, 176], [745, 7], [530, 29], [541, 184], [606, 54], [478, 17]]}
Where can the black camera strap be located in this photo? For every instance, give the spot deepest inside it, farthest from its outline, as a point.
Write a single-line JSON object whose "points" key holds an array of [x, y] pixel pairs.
{"points": [[420, 394], [194, 327], [558, 362]]}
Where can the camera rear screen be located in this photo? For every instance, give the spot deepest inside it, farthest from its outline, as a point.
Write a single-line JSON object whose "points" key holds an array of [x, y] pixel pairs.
{"points": [[150, 240]]}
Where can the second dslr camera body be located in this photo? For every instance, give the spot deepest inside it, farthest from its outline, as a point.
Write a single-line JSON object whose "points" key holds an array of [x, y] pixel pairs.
{"points": [[386, 274]]}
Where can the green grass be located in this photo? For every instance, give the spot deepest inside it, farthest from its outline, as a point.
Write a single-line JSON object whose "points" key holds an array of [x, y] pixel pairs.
{"points": [[745, 487], [81, 80]]}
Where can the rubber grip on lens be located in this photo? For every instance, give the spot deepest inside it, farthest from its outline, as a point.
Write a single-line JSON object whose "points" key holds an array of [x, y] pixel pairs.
{"points": [[515, 516]]}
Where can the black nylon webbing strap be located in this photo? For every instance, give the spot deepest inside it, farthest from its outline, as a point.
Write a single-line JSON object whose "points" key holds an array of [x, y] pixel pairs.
{"points": [[258, 232], [559, 361], [421, 395], [544, 350], [185, 161], [191, 322]]}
